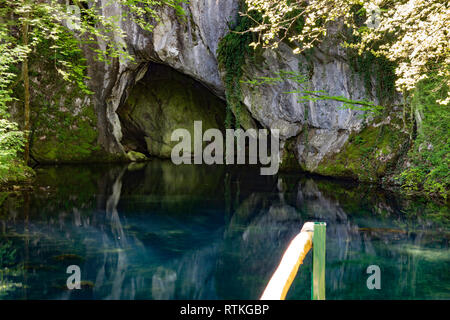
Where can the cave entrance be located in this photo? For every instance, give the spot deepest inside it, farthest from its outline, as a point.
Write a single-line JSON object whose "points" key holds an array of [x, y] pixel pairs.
{"points": [[162, 101]]}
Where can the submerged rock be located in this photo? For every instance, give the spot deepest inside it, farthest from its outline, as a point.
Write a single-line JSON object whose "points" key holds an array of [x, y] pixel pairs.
{"points": [[134, 156]]}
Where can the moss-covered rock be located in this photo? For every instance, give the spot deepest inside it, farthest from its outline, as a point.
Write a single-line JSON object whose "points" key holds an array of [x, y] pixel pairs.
{"points": [[165, 100], [425, 168], [63, 135], [63, 119], [369, 154], [135, 156]]}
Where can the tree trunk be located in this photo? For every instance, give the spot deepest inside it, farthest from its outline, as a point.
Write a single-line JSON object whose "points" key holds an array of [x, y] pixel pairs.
{"points": [[418, 114], [26, 87]]}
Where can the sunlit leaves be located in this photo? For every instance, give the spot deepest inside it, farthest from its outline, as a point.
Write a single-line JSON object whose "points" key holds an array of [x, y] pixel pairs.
{"points": [[59, 34], [413, 33]]}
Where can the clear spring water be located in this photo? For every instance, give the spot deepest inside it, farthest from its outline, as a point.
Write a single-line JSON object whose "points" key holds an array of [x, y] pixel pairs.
{"points": [[158, 231]]}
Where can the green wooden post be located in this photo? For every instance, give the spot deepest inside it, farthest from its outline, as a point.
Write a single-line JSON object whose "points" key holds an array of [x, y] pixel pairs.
{"points": [[318, 272]]}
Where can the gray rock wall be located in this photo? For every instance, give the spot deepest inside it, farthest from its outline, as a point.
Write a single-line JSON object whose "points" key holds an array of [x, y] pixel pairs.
{"points": [[189, 45]]}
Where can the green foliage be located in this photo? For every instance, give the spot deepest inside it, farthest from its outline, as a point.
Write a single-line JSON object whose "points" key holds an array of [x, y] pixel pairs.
{"points": [[429, 156], [368, 155], [297, 26], [9, 56], [7, 254], [232, 51], [48, 23], [8, 257], [46, 31], [94, 26], [65, 54], [11, 144], [366, 64], [11, 140]]}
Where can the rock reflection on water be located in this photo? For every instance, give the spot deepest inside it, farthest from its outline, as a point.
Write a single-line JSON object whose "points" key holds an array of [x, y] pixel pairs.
{"points": [[159, 231]]}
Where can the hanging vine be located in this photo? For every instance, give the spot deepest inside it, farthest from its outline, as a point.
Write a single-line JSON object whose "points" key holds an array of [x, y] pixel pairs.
{"points": [[232, 53]]}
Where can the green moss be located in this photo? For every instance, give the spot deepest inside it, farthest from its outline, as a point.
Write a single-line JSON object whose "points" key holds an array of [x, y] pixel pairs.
{"points": [[63, 120], [62, 136], [289, 161], [368, 155], [232, 53], [136, 156], [367, 65]]}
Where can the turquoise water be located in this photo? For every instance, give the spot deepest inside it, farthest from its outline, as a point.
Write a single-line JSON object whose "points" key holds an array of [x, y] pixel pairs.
{"points": [[158, 231]]}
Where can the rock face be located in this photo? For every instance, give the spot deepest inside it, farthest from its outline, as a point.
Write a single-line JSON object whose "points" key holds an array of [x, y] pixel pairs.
{"points": [[320, 128], [315, 131], [186, 44], [64, 122]]}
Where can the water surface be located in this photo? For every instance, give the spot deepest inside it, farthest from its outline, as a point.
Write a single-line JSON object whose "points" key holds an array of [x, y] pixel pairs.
{"points": [[159, 231]]}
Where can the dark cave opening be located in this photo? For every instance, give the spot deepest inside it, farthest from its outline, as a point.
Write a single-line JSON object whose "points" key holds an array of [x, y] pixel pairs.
{"points": [[162, 101]]}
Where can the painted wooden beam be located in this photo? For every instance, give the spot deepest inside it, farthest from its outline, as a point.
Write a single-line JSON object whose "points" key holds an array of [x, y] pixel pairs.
{"points": [[293, 257], [318, 272]]}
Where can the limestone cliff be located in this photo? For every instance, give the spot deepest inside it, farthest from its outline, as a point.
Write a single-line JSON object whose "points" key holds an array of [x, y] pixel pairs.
{"points": [[312, 133]]}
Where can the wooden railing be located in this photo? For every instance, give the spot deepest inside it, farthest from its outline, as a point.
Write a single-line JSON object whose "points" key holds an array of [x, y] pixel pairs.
{"points": [[312, 235]]}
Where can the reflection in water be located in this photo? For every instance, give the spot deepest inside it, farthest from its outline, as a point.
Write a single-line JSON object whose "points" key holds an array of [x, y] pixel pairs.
{"points": [[159, 231]]}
